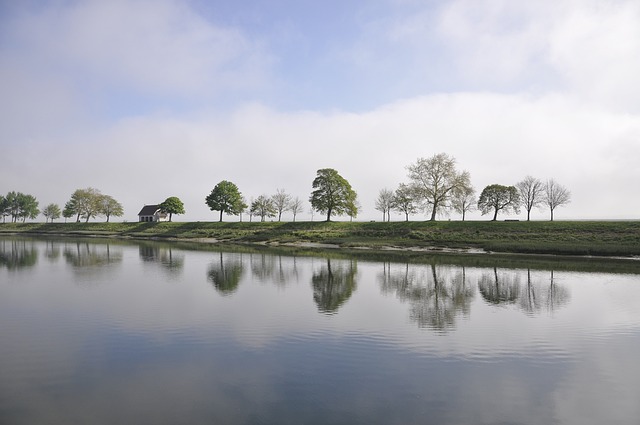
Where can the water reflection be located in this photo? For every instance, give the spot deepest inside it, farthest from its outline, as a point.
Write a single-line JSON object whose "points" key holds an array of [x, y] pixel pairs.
{"points": [[225, 272], [52, 251], [170, 260], [274, 268], [333, 284], [534, 295], [437, 295], [81, 255], [16, 254]]}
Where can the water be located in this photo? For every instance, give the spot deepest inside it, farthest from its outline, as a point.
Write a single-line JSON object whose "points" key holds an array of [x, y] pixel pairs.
{"points": [[111, 332]]}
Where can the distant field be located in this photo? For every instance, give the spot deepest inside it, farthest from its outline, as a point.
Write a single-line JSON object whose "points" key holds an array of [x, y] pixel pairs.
{"points": [[601, 238]]}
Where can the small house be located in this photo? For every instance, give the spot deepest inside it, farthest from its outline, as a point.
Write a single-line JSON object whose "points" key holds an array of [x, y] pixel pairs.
{"points": [[151, 214]]}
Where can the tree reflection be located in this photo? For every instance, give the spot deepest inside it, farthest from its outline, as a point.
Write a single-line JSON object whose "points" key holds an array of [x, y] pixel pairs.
{"points": [[225, 273], [273, 268], [540, 294], [172, 262], [436, 295], [52, 251], [84, 254], [499, 288], [17, 254], [333, 284]]}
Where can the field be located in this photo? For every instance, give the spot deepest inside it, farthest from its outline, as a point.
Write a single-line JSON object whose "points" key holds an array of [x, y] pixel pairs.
{"points": [[598, 238]]}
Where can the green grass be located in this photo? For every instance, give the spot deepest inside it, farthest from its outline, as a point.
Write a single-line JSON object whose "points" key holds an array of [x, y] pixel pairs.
{"points": [[599, 238]]}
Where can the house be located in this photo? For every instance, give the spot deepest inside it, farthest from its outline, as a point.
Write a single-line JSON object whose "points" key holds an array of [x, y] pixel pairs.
{"points": [[152, 213]]}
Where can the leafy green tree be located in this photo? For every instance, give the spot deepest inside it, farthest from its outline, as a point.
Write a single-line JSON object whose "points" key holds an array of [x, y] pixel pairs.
{"points": [[496, 197], [226, 198], [333, 194], [404, 201], [69, 211], [51, 212], [85, 203], [19, 205], [172, 205], [435, 179], [4, 208], [281, 202], [263, 207], [110, 207]]}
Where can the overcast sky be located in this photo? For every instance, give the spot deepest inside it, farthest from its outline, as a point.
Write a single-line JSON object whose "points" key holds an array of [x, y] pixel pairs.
{"points": [[155, 98]]}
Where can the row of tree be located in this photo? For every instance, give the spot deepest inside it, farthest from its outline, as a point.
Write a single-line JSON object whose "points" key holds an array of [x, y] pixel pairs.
{"points": [[437, 186]]}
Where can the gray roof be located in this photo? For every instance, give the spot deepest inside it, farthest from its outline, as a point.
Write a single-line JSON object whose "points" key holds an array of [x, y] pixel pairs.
{"points": [[149, 210]]}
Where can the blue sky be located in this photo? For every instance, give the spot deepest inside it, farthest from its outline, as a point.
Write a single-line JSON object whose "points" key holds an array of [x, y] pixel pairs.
{"points": [[149, 99]]}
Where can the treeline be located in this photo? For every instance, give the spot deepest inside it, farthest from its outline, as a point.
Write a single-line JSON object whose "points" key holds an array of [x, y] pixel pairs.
{"points": [[435, 185], [84, 204]]}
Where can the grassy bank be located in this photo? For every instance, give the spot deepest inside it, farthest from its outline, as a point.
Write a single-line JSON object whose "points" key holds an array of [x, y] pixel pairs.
{"points": [[601, 238]]}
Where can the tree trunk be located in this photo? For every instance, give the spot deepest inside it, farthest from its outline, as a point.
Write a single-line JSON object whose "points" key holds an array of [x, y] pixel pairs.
{"points": [[220, 216], [551, 214], [170, 215], [406, 215], [495, 215], [329, 214], [107, 218], [433, 214], [528, 214]]}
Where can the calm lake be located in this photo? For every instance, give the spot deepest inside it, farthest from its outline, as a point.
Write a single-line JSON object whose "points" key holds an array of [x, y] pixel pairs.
{"points": [[110, 332]]}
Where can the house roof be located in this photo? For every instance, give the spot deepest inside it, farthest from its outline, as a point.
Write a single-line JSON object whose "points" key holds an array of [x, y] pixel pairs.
{"points": [[149, 210]]}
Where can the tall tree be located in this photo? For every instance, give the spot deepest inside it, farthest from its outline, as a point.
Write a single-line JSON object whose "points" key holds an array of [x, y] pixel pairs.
{"points": [[4, 208], [226, 198], [332, 193], [85, 203], [463, 200], [281, 202], [263, 207], [69, 211], [496, 198], [531, 193], [172, 205], [19, 205], [296, 207], [434, 180], [110, 207], [404, 200], [384, 203], [555, 195], [51, 212]]}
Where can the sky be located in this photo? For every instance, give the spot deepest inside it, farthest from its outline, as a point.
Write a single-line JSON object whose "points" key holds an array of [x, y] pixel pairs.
{"points": [[146, 99]]}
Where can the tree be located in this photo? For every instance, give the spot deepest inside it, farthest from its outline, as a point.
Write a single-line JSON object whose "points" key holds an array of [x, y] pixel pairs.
{"points": [[333, 193], [296, 207], [404, 201], [384, 203], [281, 202], [463, 200], [263, 207], [531, 193], [434, 180], [172, 205], [353, 208], [226, 198], [19, 205], [110, 207], [51, 212], [68, 211], [4, 208], [85, 203], [555, 195], [497, 197]]}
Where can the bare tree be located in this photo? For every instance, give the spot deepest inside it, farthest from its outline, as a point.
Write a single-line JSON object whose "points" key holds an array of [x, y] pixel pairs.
{"points": [[384, 203], [555, 195], [463, 200], [263, 207], [531, 193], [404, 201], [434, 180], [296, 207], [281, 202]]}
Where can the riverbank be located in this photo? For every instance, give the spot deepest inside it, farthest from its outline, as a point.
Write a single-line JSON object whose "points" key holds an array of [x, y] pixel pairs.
{"points": [[595, 238]]}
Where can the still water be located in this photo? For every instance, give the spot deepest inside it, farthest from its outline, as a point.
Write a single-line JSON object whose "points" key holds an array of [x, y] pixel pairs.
{"points": [[96, 332]]}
